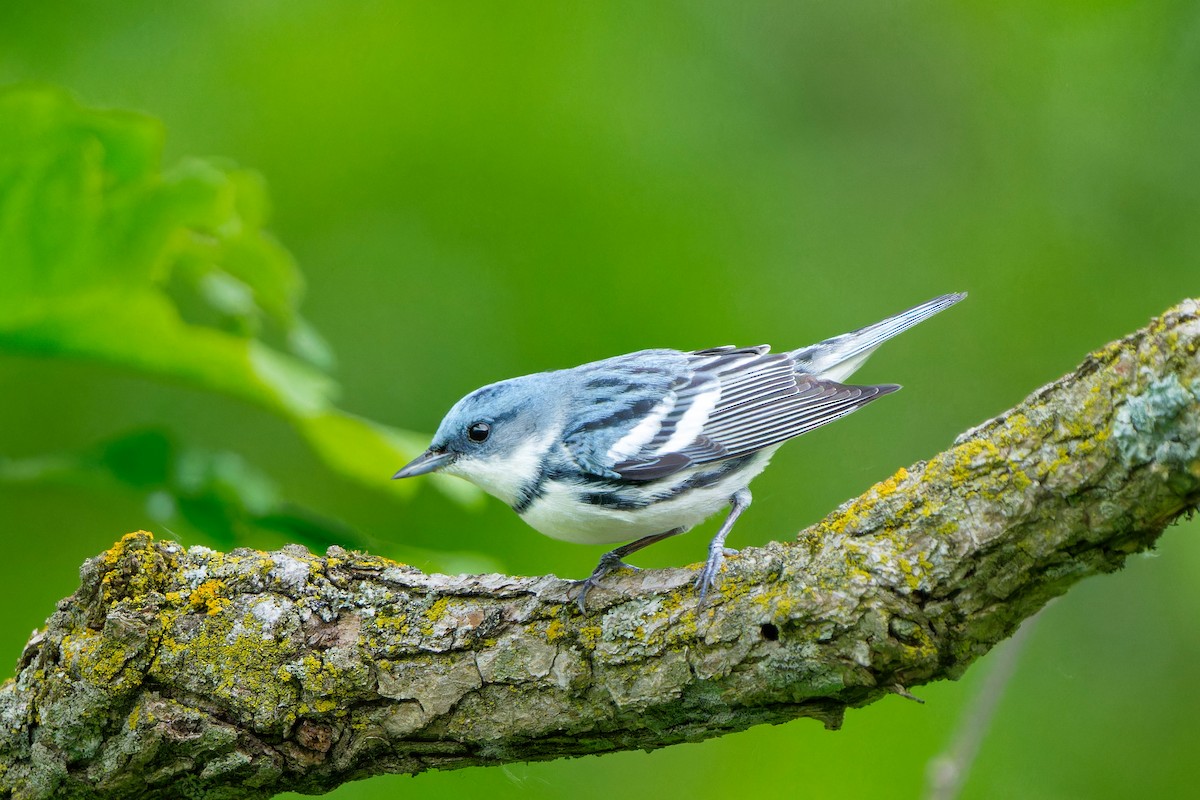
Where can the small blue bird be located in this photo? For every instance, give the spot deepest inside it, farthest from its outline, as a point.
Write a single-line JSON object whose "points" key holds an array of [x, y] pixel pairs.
{"points": [[647, 445]]}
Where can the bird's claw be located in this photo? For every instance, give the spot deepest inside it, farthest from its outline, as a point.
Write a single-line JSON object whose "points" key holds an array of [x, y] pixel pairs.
{"points": [[584, 587], [609, 562]]}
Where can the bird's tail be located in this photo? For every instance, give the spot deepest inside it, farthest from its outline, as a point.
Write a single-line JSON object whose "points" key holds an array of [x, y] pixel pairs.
{"points": [[835, 359]]}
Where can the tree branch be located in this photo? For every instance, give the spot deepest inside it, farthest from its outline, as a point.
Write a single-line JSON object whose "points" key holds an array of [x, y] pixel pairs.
{"points": [[189, 673]]}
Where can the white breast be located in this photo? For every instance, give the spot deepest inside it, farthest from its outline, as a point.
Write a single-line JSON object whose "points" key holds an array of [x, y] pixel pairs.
{"points": [[560, 514]]}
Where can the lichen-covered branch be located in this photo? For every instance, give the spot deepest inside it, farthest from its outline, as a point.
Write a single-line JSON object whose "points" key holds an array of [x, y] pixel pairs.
{"points": [[192, 673]]}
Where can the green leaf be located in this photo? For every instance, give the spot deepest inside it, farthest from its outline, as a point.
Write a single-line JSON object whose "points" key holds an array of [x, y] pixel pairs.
{"points": [[105, 257]]}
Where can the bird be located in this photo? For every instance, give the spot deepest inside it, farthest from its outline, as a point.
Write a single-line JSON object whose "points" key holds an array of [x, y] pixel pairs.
{"points": [[642, 447]]}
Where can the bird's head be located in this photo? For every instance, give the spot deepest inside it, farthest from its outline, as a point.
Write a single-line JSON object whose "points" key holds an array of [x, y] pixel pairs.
{"points": [[496, 437]]}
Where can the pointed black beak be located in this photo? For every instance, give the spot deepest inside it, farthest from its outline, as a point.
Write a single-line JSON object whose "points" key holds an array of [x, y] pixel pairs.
{"points": [[428, 461]]}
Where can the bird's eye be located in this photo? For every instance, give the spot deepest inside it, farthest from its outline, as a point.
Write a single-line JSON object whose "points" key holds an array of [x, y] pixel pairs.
{"points": [[479, 431]]}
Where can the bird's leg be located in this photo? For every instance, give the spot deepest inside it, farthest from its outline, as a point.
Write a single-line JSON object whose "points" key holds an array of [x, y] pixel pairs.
{"points": [[716, 548], [612, 560]]}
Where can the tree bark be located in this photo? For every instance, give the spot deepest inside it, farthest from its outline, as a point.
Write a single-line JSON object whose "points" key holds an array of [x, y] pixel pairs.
{"points": [[177, 672]]}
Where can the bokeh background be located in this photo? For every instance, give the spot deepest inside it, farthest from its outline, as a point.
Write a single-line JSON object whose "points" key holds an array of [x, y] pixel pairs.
{"points": [[475, 191]]}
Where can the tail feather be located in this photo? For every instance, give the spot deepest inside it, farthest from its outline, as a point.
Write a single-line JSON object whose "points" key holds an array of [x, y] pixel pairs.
{"points": [[835, 359]]}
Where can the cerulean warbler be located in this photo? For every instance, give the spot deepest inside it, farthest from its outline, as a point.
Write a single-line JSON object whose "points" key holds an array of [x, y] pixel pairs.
{"points": [[647, 445]]}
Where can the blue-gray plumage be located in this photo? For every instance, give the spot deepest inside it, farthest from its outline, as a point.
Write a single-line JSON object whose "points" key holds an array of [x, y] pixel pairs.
{"points": [[647, 445]]}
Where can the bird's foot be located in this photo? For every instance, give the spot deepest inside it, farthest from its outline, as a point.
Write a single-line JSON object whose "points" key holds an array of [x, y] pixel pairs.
{"points": [[710, 573], [609, 562]]}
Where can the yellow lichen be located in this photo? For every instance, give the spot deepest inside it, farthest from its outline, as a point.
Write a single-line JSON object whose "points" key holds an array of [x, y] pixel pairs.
{"points": [[235, 663], [969, 457], [114, 553], [391, 623], [132, 567], [924, 647], [555, 631], [852, 516], [1020, 480], [432, 614], [589, 636], [732, 589], [891, 484], [776, 601], [207, 597]]}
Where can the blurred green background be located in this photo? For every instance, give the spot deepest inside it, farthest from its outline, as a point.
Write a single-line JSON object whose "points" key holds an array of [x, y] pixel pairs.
{"points": [[475, 191]]}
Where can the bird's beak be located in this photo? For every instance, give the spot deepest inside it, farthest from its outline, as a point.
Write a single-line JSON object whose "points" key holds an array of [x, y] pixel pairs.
{"points": [[428, 461]]}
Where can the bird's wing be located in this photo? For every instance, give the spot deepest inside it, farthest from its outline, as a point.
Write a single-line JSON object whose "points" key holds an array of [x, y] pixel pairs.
{"points": [[720, 404]]}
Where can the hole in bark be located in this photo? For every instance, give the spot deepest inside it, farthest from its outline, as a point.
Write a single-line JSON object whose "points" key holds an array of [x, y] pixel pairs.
{"points": [[769, 632]]}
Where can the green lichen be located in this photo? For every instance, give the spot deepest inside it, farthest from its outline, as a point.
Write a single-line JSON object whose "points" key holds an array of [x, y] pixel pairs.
{"points": [[329, 682], [227, 656], [99, 659], [1160, 424]]}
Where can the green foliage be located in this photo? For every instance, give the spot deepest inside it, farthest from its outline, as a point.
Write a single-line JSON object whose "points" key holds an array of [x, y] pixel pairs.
{"points": [[107, 258], [474, 195]]}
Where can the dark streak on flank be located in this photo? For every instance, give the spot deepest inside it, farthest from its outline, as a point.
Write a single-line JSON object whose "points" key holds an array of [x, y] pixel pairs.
{"points": [[621, 495]]}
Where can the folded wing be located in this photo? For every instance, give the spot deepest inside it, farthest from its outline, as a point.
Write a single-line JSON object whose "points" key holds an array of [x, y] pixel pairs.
{"points": [[733, 403]]}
